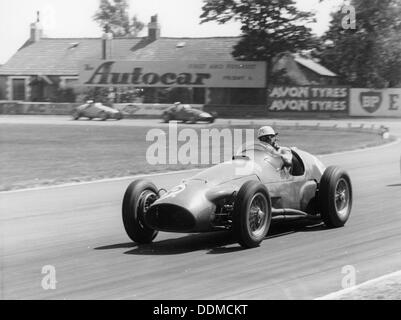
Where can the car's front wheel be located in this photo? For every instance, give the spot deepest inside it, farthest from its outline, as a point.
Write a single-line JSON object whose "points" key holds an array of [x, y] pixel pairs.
{"points": [[138, 197], [252, 214], [335, 197]]}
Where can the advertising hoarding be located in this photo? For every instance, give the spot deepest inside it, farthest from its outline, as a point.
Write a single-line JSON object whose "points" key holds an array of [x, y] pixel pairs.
{"points": [[319, 99], [375, 102], [217, 74]]}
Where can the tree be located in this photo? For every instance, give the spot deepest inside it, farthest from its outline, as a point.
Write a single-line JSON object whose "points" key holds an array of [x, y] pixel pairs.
{"points": [[269, 27], [112, 16], [370, 54]]}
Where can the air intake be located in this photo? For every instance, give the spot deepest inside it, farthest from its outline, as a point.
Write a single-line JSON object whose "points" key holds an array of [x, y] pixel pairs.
{"points": [[170, 217]]}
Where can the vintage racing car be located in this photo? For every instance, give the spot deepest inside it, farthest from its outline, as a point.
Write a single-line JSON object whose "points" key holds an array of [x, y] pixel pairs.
{"points": [[92, 110], [186, 113], [242, 195]]}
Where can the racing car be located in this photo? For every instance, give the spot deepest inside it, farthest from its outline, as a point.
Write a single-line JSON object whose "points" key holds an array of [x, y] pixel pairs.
{"points": [[186, 113], [243, 195], [93, 110]]}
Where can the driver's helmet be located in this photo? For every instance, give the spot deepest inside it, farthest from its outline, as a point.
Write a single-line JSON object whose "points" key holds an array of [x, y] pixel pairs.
{"points": [[266, 131], [177, 103]]}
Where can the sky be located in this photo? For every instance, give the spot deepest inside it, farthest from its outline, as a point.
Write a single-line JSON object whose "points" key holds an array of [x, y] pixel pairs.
{"points": [[73, 18]]}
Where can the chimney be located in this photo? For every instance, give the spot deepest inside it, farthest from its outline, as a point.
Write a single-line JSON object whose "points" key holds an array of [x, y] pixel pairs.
{"points": [[107, 45], [36, 29], [153, 29]]}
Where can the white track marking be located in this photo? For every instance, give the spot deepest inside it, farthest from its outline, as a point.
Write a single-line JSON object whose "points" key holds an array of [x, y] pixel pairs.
{"points": [[386, 145], [73, 184], [339, 293]]}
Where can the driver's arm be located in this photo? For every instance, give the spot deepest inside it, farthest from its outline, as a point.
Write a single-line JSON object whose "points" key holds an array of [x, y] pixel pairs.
{"points": [[286, 155]]}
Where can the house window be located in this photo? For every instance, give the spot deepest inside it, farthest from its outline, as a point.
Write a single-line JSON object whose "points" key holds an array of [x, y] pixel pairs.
{"points": [[68, 82], [18, 89]]}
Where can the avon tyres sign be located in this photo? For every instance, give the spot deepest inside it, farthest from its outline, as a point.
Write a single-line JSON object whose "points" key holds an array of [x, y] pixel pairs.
{"points": [[308, 99], [230, 74], [376, 103]]}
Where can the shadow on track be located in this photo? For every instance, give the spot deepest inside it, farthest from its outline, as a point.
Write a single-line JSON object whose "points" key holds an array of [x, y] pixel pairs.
{"points": [[213, 242], [394, 185], [126, 245]]}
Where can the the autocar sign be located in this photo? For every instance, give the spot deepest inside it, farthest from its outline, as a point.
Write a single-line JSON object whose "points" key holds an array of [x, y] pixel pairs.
{"points": [[223, 74]]}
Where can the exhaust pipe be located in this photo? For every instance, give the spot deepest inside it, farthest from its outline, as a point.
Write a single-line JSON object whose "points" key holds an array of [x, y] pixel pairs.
{"points": [[291, 214]]}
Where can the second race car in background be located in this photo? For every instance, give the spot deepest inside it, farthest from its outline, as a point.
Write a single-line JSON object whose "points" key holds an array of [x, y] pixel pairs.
{"points": [[186, 113], [93, 110]]}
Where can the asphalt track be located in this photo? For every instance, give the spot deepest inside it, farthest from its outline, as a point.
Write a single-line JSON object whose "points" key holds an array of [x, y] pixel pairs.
{"points": [[78, 230]]}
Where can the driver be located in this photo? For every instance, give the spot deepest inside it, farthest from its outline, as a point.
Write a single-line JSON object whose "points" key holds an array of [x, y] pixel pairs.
{"points": [[178, 106], [267, 137]]}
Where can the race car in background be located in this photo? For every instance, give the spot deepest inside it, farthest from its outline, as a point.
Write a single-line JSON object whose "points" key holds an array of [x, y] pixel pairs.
{"points": [[93, 110], [186, 113], [242, 195]]}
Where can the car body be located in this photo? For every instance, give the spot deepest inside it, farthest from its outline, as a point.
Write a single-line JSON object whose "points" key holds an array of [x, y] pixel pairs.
{"points": [[186, 113], [243, 195], [93, 110]]}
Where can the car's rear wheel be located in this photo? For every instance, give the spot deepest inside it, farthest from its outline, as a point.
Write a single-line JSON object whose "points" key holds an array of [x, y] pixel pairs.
{"points": [[335, 197], [138, 197], [252, 214], [192, 119], [211, 120], [75, 115], [103, 116]]}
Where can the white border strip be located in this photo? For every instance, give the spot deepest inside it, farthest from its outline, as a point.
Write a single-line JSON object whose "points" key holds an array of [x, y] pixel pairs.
{"points": [[339, 293], [72, 184], [385, 145]]}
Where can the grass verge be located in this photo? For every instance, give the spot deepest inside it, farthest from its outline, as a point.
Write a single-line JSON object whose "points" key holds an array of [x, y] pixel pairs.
{"points": [[34, 155]]}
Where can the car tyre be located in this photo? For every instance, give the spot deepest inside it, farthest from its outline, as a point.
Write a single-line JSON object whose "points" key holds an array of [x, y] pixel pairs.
{"points": [[103, 116], [139, 195], [166, 118], [252, 214], [192, 120], [335, 197], [75, 115], [119, 116]]}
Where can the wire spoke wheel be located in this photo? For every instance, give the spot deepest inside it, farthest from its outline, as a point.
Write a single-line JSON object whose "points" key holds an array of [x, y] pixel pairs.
{"points": [[257, 214], [252, 214], [342, 197], [137, 200], [335, 197], [146, 198]]}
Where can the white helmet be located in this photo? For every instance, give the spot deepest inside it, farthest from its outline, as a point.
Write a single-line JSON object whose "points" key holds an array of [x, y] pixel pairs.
{"points": [[266, 131]]}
